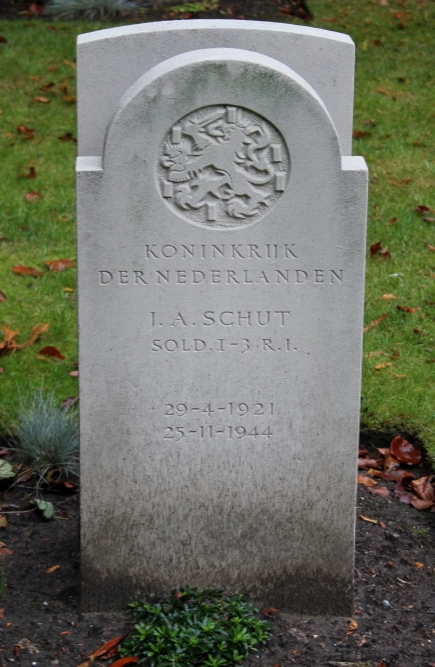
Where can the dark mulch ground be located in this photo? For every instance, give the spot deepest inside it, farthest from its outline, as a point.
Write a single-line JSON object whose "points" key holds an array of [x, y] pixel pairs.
{"points": [[394, 594]]}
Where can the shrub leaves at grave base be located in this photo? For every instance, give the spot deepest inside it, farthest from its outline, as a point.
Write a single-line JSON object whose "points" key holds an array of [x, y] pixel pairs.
{"points": [[191, 628]]}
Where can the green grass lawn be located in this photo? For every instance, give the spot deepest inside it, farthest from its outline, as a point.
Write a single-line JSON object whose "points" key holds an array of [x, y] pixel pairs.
{"points": [[394, 117]]}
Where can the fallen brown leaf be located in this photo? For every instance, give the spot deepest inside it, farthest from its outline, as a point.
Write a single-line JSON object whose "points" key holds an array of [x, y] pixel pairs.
{"points": [[106, 647], [352, 625], [419, 566], [3, 521], [32, 196], [9, 343], [388, 297], [366, 518], [59, 264], [368, 463], [27, 132], [375, 322], [48, 86], [31, 174], [404, 451], [375, 248], [406, 309], [51, 351], [423, 488], [421, 504], [359, 134], [423, 209], [52, 569], [379, 491], [366, 481], [390, 461], [399, 184], [42, 100], [26, 271], [125, 661], [67, 137], [2, 296], [68, 402], [380, 367]]}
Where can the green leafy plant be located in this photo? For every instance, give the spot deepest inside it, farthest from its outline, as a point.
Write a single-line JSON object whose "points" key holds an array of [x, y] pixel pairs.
{"points": [[190, 628], [89, 10], [46, 439]]}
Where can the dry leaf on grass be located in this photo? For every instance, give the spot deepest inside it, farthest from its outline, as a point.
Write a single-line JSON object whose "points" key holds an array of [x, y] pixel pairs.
{"points": [[51, 351], [26, 271], [32, 196], [59, 264], [9, 342], [375, 323]]}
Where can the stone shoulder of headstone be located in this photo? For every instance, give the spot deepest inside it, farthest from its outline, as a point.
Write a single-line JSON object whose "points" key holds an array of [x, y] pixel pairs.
{"points": [[111, 60]]}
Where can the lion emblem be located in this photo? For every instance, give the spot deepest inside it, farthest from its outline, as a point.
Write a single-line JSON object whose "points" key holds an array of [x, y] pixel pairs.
{"points": [[223, 166]]}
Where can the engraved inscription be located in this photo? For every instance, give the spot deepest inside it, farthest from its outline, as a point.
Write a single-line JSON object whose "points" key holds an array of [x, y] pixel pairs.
{"points": [[210, 431], [223, 167], [187, 418], [226, 410], [241, 345]]}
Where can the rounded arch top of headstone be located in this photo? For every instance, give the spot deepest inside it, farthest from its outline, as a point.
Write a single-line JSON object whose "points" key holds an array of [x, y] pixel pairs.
{"points": [[109, 61], [224, 131]]}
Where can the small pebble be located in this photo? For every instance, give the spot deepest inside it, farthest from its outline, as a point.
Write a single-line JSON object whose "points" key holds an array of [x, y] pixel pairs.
{"points": [[386, 604]]}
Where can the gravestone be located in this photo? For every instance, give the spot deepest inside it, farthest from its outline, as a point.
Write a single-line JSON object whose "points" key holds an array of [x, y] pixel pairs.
{"points": [[221, 227]]}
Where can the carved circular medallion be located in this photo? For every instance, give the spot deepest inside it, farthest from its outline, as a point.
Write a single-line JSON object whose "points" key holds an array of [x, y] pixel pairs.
{"points": [[222, 167]]}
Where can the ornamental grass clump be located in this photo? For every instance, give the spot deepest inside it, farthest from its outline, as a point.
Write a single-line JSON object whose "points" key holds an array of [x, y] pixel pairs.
{"points": [[194, 629], [90, 10], [46, 438]]}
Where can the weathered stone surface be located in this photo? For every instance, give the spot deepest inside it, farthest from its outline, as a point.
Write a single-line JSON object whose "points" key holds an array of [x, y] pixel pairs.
{"points": [[221, 251], [324, 58]]}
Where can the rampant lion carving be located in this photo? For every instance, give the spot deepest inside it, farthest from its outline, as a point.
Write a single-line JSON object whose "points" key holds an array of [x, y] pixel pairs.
{"points": [[223, 166]]}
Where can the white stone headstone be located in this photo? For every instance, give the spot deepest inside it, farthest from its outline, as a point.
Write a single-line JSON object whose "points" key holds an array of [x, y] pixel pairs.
{"points": [[221, 231]]}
